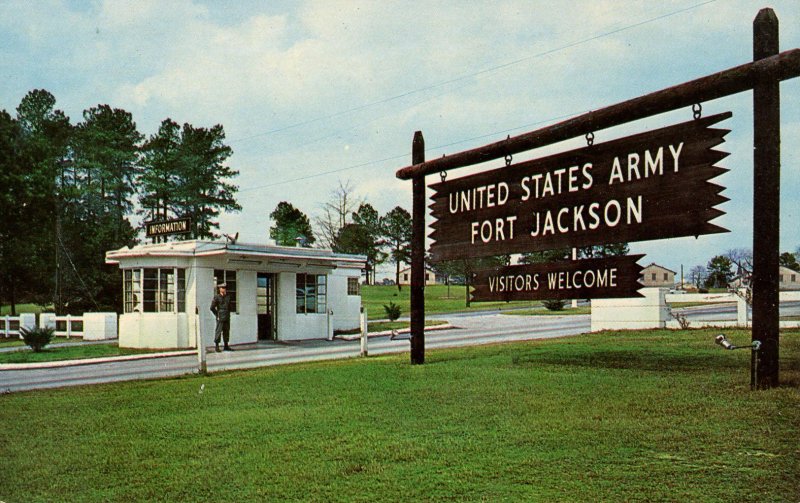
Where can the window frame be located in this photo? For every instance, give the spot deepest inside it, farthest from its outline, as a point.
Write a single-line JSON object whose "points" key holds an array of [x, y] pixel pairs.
{"points": [[353, 286], [154, 290], [311, 297]]}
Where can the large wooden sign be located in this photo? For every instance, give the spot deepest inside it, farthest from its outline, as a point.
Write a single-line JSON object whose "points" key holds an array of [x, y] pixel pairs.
{"points": [[167, 227], [610, 277], [653, 185]]}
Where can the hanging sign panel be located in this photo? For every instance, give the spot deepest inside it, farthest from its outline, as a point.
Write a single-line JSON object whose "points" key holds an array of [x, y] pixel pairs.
{"points": [[599, 278], [653, 185], [167, 227]]}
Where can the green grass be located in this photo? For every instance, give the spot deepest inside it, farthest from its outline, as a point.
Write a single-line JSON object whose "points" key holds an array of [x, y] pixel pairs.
{"points": [[625, 416], [567, 311], [72, 352], [437, 300], [680, 305], [14, 341], [25, 308], [381, 326]]}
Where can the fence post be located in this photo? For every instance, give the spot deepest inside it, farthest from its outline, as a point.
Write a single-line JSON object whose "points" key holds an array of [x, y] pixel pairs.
{"points": [[741, 308], [69, 325], [364, 331], [201, 347]]}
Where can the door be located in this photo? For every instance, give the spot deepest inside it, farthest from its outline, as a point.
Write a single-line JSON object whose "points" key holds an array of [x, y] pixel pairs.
{"points": [[265, 306]]}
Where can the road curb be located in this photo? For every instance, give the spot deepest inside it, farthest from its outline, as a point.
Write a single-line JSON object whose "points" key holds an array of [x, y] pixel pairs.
{"points": [[384, 333], [90, 361]]}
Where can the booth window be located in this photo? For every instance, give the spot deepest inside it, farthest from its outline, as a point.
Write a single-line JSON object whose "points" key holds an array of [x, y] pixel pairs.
{"points": [[154, 290], [229, 278], [353, 287], [312, 293]]}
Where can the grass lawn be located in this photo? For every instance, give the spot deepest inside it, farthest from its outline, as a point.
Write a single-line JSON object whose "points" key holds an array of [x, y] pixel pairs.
{"points": [[8, 342], [382, 326], [437, 300], [625, 416], [546, 312], [24, 308], [72, 352]]}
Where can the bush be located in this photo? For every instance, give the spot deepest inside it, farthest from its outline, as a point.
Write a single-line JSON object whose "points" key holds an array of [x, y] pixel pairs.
{"points": [[554, 305], [392, 311], [702, 290], [38, 337]]}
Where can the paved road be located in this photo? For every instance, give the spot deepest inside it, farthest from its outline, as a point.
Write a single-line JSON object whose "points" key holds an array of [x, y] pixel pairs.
{"points": [[727, 311], [471, 330]]}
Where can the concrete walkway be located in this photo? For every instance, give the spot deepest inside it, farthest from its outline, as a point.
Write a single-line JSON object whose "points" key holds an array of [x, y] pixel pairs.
{"points": [[474, 330]]}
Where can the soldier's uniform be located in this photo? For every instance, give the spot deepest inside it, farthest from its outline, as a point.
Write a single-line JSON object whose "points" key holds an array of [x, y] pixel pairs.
{"points": [[221, 307]]}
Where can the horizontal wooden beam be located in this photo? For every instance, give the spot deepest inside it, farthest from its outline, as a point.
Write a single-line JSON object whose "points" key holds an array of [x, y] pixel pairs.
{"points": [[783, 66]]}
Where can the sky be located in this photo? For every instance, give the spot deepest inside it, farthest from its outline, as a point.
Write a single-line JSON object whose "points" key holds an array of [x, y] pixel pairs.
{"points": [[313, 94]]}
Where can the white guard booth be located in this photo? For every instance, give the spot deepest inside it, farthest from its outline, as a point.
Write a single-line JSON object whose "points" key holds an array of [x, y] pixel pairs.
{"points": [[278, 293]]}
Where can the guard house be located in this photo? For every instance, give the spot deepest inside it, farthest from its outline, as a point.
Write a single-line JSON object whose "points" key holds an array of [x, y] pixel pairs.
{"points": [[278, 293]]}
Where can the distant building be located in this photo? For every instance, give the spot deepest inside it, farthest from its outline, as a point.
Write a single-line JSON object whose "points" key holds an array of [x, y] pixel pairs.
{"points": [[788, 279], [656, 275], [431, 277]]}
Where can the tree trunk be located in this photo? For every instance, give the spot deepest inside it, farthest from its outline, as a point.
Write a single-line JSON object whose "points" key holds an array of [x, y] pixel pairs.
{"points": [[12, 296], [397, 276]]}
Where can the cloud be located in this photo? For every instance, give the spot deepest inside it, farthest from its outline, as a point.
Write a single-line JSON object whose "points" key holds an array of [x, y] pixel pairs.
{"points": [[294, 82]]}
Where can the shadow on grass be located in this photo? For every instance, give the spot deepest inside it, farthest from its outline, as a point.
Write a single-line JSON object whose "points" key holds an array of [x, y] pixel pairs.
{"points": [[631, 359]]}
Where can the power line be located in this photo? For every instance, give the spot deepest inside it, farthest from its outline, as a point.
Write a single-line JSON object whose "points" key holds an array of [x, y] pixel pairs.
{"points": [[406, 155], [476, 73]]}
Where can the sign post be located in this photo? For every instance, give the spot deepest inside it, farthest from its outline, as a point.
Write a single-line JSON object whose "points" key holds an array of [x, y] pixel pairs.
{"points": [[766, 202], [418, 256], [565, 227]]}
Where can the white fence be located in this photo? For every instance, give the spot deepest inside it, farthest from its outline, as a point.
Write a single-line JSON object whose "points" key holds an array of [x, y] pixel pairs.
{"points": [[654, 311], [10, 325], [743, 311], [89, 326]]}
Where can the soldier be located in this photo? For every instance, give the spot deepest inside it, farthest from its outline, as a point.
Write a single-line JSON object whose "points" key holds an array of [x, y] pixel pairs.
{"points": [[221, 307]]}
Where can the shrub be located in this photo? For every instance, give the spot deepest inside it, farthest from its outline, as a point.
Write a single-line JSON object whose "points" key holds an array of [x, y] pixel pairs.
{"points": [[392, 311], [38, 337], [554, 304], [702, 290]]}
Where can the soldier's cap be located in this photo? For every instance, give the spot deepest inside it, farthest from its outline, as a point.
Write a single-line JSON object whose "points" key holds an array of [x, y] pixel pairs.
{"points": [[222, 285]]}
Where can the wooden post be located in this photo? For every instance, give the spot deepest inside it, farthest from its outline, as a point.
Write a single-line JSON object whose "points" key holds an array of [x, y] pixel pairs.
{"points": [[364, 332], [202, 366], [418, 255], [766, 201]]}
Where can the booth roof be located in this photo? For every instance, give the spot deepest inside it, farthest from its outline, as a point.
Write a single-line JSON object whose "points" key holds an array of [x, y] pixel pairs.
{"points": [[200, 248]]}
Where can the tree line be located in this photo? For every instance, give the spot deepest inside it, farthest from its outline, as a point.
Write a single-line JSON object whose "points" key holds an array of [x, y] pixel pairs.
{"points": [[350, 225], [70, 192], [736, 263]]}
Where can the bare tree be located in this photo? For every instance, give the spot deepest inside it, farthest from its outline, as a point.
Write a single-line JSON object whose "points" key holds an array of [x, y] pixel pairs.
{"points": [[742, 259], [697, 274], [337, 212]]}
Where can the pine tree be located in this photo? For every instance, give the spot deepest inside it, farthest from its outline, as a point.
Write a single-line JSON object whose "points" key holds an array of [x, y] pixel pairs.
{"points": [[291, 226], [396, 229]]}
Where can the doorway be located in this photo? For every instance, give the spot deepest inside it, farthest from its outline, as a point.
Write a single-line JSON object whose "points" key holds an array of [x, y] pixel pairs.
{"points": [[265, 306]]}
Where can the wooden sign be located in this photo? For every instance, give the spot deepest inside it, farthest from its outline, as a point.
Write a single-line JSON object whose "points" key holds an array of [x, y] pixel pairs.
{"points": [[653, 185], [599, 278], [167, 227]]}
